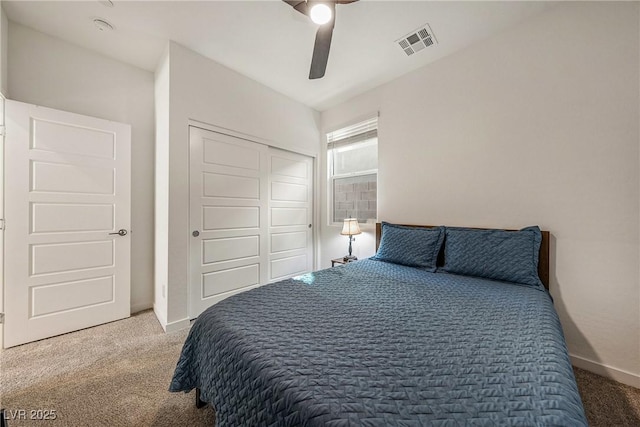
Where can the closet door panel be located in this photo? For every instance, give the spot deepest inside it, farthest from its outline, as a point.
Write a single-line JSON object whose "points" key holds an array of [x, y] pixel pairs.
{"points": [[228, 217], [290, 214]]}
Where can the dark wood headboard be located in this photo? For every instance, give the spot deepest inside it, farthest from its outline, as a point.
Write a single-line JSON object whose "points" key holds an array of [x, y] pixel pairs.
{"points": [[543, 260]]}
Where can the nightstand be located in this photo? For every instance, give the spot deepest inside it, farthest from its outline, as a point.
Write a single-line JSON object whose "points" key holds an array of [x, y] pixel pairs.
{"points": [[340, 261]]}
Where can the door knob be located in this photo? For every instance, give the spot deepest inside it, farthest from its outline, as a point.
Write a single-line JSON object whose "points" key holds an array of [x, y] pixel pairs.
{"points": [[196, 233], [121, 232]]}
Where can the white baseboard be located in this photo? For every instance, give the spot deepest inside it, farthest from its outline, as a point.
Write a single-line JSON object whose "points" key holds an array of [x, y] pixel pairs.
{"points": [[160, 317], [171, 326], [178, 325], [615, 374]]}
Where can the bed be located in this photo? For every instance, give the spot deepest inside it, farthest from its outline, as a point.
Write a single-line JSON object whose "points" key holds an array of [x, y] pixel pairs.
{"points": [[383, 343]]}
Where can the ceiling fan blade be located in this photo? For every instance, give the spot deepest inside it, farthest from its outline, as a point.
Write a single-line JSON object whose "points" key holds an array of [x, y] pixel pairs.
{"points": [[300, 6], [323, 35], [321, 52]]}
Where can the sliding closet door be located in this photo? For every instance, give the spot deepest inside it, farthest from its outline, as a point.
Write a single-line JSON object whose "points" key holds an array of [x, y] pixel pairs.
{"points": [[250, 215], [228, 215], [290, 214]]}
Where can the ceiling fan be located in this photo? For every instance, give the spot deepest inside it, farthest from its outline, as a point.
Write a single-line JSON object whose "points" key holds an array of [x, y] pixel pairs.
{"points": [[324, 14]]}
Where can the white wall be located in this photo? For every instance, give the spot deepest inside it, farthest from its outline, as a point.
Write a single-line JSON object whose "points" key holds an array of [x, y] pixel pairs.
{"points": [[161, 188], [47, 71], [536, 125], [4, 38], [205, 91], [4, 50]]}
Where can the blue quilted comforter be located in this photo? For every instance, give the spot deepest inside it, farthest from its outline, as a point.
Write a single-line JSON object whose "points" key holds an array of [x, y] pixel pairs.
{"points": [[378, 344]]}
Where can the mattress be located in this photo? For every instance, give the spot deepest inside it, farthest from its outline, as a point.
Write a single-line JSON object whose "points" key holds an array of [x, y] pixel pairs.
{"points": [[377, 344]]}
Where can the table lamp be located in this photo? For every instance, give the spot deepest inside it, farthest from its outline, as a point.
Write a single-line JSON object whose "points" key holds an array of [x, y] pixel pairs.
{"points": [[350, 228]]}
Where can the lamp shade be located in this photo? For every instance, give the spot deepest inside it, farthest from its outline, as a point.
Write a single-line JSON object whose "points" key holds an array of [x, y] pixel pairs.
{"points": [[350, 227]]}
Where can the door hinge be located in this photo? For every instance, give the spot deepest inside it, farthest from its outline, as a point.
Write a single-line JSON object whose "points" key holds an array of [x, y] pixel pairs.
{"points": [[1, 318]]}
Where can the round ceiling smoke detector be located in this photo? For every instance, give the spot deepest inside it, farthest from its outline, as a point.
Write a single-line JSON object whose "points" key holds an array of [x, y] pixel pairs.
{"points": [[102, 24]]}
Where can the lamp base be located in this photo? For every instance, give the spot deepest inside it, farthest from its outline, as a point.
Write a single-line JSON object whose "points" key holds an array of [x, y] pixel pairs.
{"points": [[349, 258]]}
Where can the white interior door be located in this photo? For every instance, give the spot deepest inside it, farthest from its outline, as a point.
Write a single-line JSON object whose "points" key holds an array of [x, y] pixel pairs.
{"points": [[290, 214], [67, 190], [228, 217]]}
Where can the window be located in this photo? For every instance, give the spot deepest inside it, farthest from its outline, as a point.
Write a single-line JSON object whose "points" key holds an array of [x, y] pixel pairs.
{"points": [[352, 157]]}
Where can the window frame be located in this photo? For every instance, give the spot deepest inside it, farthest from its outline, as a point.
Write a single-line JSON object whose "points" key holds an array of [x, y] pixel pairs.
{"points": [[331, 177]]}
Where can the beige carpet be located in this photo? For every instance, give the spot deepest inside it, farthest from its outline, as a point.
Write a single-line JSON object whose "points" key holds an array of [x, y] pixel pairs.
{"points": [[118, 374], [606, 402]]}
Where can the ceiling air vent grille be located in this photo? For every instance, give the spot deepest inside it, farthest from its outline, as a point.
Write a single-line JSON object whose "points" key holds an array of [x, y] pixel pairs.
{"points": [[417, 40]]}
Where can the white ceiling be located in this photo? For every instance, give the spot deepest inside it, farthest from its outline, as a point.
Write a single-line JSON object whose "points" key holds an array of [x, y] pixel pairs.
{"points": [[270, 42]]}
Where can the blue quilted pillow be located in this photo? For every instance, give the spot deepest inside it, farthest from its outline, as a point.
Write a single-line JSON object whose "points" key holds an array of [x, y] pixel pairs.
{"points": [[511, 256], [411, 246]]}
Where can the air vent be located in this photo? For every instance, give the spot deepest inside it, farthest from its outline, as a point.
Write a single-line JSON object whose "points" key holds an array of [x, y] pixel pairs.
{"points": [[417, 40]]}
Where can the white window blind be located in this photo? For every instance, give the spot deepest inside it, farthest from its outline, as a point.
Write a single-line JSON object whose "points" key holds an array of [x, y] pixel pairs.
{"points": [[358, 132]]}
